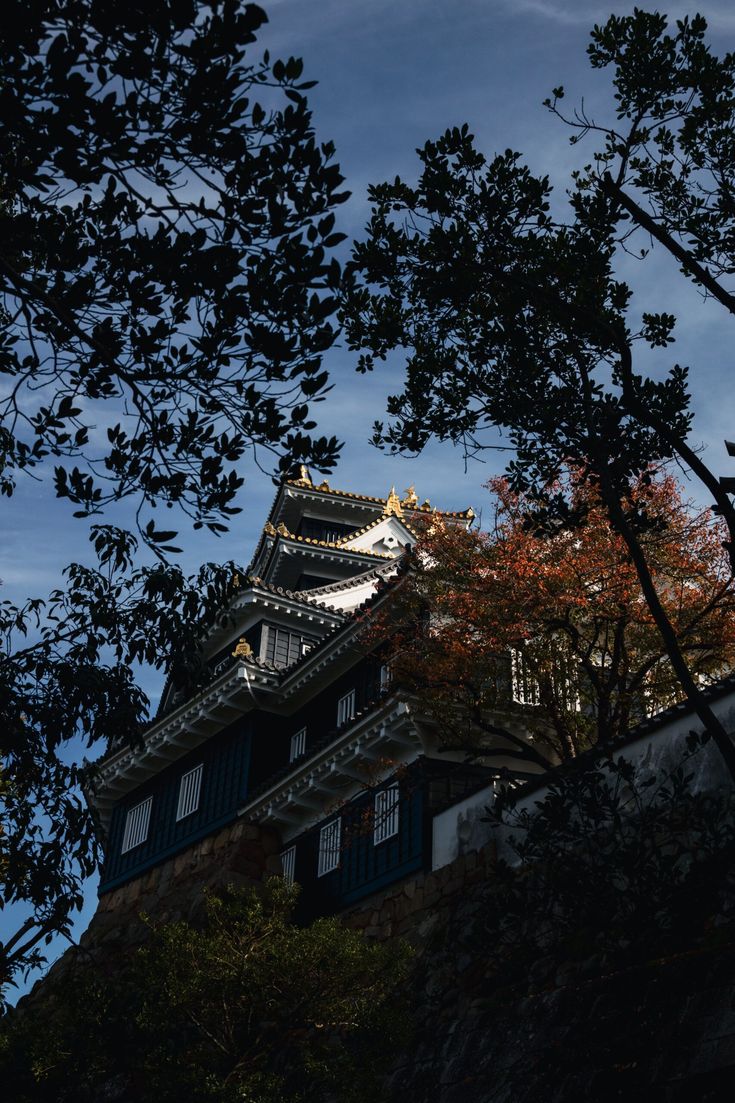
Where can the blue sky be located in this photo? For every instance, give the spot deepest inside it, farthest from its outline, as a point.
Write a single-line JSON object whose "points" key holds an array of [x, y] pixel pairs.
{"points": [[391, 74]]}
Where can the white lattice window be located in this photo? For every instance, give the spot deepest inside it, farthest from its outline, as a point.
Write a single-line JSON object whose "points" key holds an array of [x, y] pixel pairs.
{"points": [[298, 744], [564, 679], [385, 676], [189, 790], [288, 864], [346, 708], [137, 823], [524, 685], [385, 822], [281, 647], [330, 840]]}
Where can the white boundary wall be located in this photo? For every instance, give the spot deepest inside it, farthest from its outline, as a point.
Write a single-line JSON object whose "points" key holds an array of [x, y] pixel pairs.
{"points": [[460, 829]]}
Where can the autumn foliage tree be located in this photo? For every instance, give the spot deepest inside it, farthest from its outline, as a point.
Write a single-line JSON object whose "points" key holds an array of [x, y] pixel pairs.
{"points": [[513, 311], [490, 623]]}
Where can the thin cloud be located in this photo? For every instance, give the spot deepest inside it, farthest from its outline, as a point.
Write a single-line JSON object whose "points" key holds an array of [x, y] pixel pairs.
{"points": [[719, 16]]}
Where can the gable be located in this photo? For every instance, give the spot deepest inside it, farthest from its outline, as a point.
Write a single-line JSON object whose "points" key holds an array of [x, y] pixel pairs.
{"points": [[386, 536]]}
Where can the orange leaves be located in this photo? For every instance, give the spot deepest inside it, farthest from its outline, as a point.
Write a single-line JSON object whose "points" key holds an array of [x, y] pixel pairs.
{"points": [[570, 604]]}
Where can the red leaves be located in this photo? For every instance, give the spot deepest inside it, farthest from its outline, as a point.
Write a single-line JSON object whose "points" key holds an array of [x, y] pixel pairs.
{"points": [[570, 600]]}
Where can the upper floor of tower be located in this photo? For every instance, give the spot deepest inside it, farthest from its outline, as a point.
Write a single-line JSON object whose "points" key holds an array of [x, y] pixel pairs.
{"points": [[317, 536]]}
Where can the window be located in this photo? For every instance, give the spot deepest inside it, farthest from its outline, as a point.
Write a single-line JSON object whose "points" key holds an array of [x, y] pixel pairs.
{"points": [[288, 864], [385, 823], [298, 744], [524, 686], [346, 708], [563, 675], [313, 528], [313, 581], [330, 838], [385, 676], [137, 822], [281, 647], [189, 790]]}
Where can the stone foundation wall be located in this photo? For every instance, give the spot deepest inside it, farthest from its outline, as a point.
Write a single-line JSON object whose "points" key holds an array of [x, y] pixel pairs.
{"points": [[244, 854], [662, 1031], [659, 1031], [402, 910], [240, 854]]}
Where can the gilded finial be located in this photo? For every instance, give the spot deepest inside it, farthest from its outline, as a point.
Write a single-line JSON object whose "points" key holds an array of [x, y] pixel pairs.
{"points": [[304, 475], [283, 530], [243, 650], [393, 504], [324, 485], [426, 504], [410, 498], [268, 529]]}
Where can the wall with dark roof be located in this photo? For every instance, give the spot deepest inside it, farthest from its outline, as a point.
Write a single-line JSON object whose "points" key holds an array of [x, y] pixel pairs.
{"points": [[226, 763], [250, 753]]}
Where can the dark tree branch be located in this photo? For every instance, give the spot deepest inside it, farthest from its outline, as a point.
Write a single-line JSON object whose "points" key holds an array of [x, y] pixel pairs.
{"points": [[614, 191]]}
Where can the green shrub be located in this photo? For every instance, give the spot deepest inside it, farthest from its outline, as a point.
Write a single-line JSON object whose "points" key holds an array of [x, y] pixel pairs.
{"points": [[249, 1008]]}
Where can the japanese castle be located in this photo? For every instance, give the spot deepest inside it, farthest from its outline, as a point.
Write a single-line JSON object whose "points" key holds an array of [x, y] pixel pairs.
{"points": [[298, 726]]}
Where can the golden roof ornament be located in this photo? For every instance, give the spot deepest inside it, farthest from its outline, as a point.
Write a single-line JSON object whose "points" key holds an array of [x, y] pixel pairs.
{"points": [[411, 498], [283, 530], [243, 650], [268, 529], [304, 475], [393, 504], [235, 580], [426, 504], [324, 485]]}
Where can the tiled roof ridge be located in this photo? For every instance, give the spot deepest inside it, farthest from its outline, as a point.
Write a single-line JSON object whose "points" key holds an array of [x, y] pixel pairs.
{"points": [[401, 563], [358, 579], [159, 715], [294, 595], [352, 617], [271, 668], [302, 484], [287, 535]]}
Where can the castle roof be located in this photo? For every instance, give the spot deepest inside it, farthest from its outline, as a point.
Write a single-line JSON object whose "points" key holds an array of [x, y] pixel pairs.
{"points": [[356, 543], [407, 506]]}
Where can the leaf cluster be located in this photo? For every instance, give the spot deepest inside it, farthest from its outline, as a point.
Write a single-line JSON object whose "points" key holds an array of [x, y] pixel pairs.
{"points": [[508, 305], [568, 604], [510, 319], [68, 679], [506, 297], [673, 141], [246, 1007], [167, 293], [617, 865], [167, 277]]}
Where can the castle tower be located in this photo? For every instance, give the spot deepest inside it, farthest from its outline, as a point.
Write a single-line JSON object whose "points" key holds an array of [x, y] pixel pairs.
{"points": [[297, 728]]}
